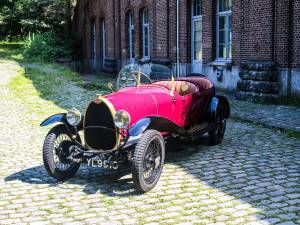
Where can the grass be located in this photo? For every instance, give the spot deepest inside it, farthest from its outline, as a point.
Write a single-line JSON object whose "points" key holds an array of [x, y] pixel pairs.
{"points": [[45, 89], [11, 50], [290, 133]]}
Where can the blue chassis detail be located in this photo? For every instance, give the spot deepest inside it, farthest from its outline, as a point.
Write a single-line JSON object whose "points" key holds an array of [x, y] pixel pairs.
{"points": [[58, 118]]}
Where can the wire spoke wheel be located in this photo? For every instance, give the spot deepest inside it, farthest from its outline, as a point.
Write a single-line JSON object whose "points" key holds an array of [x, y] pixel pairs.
{"points": [[152, 162], [149, 156], [61, 151], [221, 125], [217, 135], [56, 150]]}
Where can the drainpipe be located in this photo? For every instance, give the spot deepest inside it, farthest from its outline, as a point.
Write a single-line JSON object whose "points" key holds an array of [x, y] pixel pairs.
{"points": [[289, 77], [274, 29], [177, 40]]}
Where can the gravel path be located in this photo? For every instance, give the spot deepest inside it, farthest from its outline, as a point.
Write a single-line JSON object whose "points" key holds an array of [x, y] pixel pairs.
{"points": [[252, 178]]}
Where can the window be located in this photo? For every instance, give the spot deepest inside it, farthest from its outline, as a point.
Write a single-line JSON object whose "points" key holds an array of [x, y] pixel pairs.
{"points": [[197, 30], [103, 40], [146, 35], [224, 34], [131, 37]]}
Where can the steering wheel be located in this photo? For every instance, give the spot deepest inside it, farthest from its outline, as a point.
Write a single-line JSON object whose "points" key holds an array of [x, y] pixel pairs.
{"points": [[132, 78]]}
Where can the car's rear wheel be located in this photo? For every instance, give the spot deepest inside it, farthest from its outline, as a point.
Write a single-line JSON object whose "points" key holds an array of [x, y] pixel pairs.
{"points": [[217, 135], [149, 156], [57, 147]]}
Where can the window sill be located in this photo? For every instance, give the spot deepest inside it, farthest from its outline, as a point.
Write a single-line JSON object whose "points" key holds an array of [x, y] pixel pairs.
{"points": [[226, 63], [145, 60], [221, 64]]}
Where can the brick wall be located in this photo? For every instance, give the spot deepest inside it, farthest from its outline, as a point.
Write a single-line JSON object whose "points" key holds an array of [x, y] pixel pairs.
{"points": [[282, 32], [256, 33], [208, 31], [257, 30]]}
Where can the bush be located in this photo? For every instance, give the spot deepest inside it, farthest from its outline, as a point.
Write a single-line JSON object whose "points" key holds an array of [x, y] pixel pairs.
{"points": [[46, 47]]}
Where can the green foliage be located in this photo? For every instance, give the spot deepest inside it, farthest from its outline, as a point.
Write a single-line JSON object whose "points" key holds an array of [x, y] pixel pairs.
{"points": [[46, 47], [11, 50], [19, 17]]}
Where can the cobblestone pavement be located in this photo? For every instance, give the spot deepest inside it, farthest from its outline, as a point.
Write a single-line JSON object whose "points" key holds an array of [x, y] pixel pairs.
{"points": [[252, 178], [278, 116]]}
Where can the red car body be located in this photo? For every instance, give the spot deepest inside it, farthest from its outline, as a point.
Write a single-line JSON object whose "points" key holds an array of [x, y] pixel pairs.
{"points": [[132, 125], [156, 100]]}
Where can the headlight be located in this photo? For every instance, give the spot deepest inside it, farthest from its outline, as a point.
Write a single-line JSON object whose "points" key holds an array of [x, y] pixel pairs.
{"points": [[74, 117], [122, 119]]}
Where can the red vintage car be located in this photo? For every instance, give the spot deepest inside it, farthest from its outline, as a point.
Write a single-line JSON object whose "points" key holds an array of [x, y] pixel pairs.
{"points": [[132, 124]]}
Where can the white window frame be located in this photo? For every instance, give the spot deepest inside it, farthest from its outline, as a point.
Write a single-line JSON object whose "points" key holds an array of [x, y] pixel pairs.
{"points": [[198, 18], [103, 40], [131, 36], [146, 25], [228, 44]]}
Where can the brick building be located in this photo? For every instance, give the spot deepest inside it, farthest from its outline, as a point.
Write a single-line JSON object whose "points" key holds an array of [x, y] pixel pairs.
{"points": [[215, 36]]}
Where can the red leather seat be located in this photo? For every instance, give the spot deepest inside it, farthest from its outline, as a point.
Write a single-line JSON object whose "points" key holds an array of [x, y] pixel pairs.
{"points": [[202, 83], [181, 87]]}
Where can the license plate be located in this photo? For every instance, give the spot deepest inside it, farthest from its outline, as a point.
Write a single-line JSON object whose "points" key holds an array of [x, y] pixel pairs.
{"points": [[100, 163]]}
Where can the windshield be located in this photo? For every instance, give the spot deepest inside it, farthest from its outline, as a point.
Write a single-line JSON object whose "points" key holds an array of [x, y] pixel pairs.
{"points": [[137, 74]]}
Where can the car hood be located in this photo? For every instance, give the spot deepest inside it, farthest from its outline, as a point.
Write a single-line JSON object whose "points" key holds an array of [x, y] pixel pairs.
{"points": [[137, 101]]}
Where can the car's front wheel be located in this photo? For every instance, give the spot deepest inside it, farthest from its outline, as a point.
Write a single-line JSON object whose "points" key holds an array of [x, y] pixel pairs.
{"points": [[149, 156], [57, 147]]}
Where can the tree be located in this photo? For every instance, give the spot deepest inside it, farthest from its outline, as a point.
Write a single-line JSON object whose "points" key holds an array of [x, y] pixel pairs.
{"points": [[20, 17]]}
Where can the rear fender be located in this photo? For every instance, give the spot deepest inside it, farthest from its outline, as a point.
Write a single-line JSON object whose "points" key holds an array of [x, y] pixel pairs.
{"points": [[218, 103], [156, 123]]}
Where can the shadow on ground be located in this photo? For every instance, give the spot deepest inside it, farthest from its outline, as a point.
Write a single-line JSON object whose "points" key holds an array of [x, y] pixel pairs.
{"points": [[98, 180], [259, 177]]}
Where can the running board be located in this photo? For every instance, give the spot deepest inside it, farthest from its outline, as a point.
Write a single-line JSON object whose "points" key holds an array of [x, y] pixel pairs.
{"points": [[198, 130]]}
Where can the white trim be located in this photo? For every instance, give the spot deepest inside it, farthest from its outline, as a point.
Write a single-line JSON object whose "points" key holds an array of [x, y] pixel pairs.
{"points": [[146, 26], [225, 14], [131, 36], [193, 20]]}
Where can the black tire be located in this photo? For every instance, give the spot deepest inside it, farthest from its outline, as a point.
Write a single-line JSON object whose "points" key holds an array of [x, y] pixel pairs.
{"points": [[48, 156], [216, 136], [142, 156]]}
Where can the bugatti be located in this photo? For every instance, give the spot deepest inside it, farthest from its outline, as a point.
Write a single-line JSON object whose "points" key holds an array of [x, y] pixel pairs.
{"points": [[132, 124]]}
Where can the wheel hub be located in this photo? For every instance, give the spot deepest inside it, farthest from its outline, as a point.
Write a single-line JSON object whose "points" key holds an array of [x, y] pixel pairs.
{"points": [[63, 151], [152, 161]]}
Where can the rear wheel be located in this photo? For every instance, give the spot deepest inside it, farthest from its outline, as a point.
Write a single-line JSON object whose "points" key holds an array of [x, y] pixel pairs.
{"points": [[149, 156], [217, 135], [57, 147]]}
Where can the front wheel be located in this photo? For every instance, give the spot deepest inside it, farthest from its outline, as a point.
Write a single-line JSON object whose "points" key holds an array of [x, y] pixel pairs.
{"points": [[57, 147], [149, 157]]}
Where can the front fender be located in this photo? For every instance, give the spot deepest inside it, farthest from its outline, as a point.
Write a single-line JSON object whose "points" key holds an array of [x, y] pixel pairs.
{"points": [[160, 124], [61, 118], [139, 127], [58, 118], [225, 107]]}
